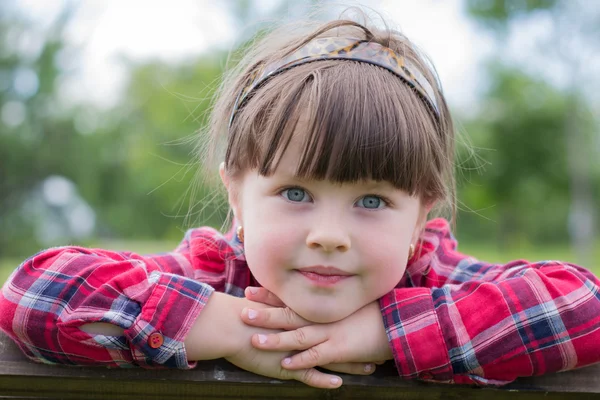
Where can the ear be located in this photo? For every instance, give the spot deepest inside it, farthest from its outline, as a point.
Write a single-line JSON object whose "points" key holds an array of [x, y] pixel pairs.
{"points": [[224, 177], [232, 191], [421, 221]]}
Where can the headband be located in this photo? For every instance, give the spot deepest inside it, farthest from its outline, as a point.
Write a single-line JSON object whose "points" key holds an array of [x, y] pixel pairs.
{"points": [[336, 48]]}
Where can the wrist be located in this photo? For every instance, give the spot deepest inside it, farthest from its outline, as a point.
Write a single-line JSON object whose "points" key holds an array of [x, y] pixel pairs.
{"points": [[216, 333], [236, 335], [382, 338]]}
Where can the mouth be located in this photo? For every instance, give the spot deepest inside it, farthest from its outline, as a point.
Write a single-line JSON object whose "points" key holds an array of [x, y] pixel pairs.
{"points": [[324, 276], [325, 271]]}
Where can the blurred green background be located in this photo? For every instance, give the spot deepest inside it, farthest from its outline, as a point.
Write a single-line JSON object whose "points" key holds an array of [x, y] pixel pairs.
{"points": [[123, 176]]}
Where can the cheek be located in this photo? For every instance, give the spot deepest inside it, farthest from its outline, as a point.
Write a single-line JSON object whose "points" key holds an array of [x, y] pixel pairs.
{"points": [[269, 232], [387, 258], [268, 251], [267, 247]]}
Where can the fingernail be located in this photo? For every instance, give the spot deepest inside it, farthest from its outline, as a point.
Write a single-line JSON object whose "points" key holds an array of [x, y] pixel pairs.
{"points": [[252, 313], [334, 381], [262, 339], [368, 367], [287, 361], [253, 290]]}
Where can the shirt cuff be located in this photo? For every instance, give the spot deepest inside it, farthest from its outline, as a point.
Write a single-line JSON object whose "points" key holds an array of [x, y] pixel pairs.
{"points": [[415, 336], [157, 335]]}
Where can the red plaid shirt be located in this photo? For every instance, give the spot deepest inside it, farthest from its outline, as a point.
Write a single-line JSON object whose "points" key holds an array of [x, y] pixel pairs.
{"points": [[451, 318]]}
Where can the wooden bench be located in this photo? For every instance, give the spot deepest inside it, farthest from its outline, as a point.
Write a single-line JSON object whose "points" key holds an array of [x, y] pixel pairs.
{"points": [[21, 378]]}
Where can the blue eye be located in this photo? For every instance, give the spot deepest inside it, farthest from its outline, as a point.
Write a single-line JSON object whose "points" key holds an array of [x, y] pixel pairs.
{"points": [[296, 195], [371, 202]]}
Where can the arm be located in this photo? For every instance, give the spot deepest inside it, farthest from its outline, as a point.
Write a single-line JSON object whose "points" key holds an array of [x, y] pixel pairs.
{"points": [[80, 306], [476, 322]]}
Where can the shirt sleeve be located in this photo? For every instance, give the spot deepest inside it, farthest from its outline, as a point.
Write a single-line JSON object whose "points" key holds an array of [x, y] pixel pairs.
{"points": [[459, 320], [155, 299]]}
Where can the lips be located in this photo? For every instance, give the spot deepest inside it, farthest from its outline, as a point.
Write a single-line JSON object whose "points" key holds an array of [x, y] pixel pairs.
{"points": [[325, 271], [324, 277]]}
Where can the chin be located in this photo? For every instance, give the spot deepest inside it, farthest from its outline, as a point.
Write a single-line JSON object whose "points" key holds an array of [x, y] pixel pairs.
{"points": [[322, 315]]}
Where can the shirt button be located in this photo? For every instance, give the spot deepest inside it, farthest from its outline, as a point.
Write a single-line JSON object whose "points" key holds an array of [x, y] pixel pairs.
{"points": [[425, 376], [156, 340]]}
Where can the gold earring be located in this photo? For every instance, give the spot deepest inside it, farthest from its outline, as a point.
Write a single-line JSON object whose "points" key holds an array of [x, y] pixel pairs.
{"points": [[411, 251], [240, 233]]}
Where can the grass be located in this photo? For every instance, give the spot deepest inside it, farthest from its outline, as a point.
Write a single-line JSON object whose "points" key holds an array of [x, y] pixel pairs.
{"points": [[483, 251], [7, 265]]}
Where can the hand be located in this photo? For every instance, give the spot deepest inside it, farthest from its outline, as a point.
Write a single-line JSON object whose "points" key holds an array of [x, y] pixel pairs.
{"points": [[268, 363], [351, 344], [219, 332], [266, 297]]}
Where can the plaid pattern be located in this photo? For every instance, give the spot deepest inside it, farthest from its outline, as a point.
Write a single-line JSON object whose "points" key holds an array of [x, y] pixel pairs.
{"points": [[450, 319], [458, 320], [49, 296]]}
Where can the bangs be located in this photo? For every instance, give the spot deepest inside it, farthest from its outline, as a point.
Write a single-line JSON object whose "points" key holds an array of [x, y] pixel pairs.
{"points": [[353, 121]]}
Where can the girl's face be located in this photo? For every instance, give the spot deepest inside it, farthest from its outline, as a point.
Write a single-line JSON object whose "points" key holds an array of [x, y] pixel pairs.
{"points": [[325, 249]]}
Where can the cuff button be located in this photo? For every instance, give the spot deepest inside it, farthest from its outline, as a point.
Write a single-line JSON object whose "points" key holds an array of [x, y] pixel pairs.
{"points": [[156, 340], [426, 376]]}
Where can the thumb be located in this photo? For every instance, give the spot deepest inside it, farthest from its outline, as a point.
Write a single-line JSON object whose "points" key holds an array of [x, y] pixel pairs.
{"points": [[262, 295]]}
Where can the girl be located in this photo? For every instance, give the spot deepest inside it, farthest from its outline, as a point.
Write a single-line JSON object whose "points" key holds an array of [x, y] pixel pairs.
{"points": [[337, 145]]}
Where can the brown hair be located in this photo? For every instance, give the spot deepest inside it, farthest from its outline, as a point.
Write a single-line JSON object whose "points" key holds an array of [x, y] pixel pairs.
{"points": [[363, 122]]}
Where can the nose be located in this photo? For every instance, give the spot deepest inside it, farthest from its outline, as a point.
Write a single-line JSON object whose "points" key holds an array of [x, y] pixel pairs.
{"points": [[328, 234]]}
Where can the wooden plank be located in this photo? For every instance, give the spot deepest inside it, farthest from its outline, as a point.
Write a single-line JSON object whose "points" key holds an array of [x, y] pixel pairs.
{"points": [[21, 378]]}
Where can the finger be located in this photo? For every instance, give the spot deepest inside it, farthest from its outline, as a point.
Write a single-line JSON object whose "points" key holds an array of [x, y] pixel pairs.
{"points": [[351, 368], [314, 356], [314, 378], [273, 318], [262, 295], [297, 339], [379, 362]]}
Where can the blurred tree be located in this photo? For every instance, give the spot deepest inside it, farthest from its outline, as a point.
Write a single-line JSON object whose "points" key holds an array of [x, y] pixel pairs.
{"points": [[117, 160], [544, 129], [32, 131], [523, 125], [497, 14], [153, 186]]}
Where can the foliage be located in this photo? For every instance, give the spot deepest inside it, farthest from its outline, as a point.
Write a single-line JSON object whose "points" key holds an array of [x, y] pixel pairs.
{"points": [[131, 165], [156, 128], [524, 189], [497, 13], [542, 128], [31, 136]]}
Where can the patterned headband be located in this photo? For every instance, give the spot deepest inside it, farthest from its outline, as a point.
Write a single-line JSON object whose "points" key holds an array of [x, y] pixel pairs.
{"points": [[337, 48]]}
